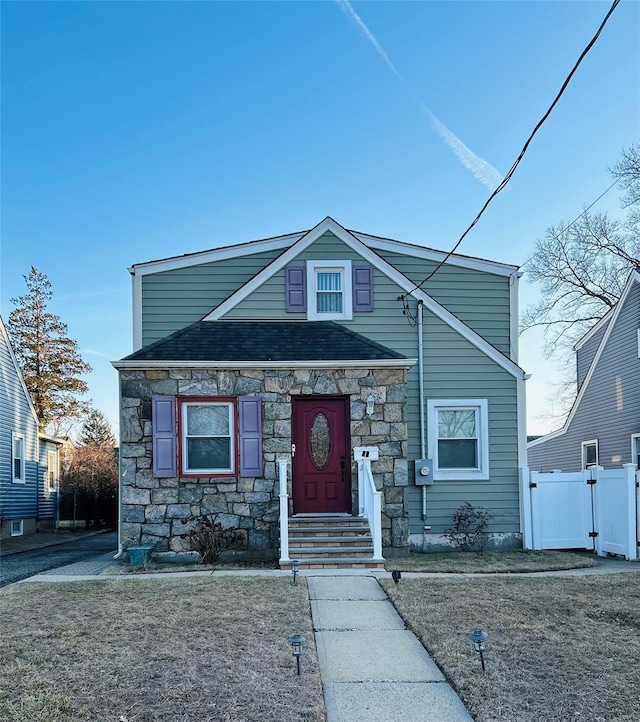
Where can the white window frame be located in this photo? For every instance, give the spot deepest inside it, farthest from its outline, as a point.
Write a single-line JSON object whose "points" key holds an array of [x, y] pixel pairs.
{"points": [[19, 529], [53, 471], [635, 449], [344, 268], [583, 453], [22, 478], [481, 407], [184, 405]]}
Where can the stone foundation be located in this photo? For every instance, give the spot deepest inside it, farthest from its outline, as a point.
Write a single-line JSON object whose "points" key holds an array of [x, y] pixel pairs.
{"points": [[156, 510]]}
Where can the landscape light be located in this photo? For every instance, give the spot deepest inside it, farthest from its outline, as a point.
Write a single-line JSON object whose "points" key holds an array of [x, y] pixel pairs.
{"points": [[296, 641], [295, 568], [478, 637]]}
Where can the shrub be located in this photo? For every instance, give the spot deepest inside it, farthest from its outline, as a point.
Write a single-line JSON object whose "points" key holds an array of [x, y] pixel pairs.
{"points": [[469, 530], [209, 538]]}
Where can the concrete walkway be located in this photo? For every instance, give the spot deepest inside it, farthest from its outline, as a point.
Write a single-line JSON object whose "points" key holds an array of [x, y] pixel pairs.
{"points": [[373, 669]]}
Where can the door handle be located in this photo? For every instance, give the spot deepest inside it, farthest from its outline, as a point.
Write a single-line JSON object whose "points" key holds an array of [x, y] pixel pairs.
{"points": [[342, 465]]}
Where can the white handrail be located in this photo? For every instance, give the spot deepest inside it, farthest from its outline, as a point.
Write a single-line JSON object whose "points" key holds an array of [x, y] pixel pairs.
{"points": [[284, 511], [371, 504]]}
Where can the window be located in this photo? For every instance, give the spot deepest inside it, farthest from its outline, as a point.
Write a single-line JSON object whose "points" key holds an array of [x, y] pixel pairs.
{"points": [[52, 470], [17, 527], [459, 439], [17, 464], [589, 453], [329, 290], [635, 450], [207, 438]]}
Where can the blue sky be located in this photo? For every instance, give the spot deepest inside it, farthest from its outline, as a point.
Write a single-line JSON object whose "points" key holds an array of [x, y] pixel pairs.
{"points": [[138, 130]]}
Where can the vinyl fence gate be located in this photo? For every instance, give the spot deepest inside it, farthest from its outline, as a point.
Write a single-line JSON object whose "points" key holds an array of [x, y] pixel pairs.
{"points": [[595, 509]]}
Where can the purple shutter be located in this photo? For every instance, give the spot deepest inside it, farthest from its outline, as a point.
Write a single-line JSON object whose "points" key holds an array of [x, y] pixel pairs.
{"points": [[296, 277], [163, 420], [250, 413], [362, 288]]}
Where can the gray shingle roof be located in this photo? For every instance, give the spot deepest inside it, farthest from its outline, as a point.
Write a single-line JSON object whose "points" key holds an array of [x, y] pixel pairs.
{"points": [[264, 341]]}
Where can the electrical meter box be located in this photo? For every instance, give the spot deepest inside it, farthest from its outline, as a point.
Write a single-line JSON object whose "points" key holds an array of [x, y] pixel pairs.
{"points": [[424, 472]]}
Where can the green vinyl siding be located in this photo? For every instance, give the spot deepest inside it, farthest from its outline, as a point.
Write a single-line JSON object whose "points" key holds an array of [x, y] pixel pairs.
{"points": [[174, 299], [480, 299]]}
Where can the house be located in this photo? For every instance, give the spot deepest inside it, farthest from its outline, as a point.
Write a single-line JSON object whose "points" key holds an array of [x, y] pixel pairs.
{"points": [[309, 375], [29, 460], [603, 426]]}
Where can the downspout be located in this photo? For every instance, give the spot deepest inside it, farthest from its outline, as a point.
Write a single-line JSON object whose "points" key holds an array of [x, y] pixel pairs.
{"points": [[421, 395], [119, 552]]}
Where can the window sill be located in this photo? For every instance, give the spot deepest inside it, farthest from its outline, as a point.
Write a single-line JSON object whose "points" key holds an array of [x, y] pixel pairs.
{"points": [[460, 475]]}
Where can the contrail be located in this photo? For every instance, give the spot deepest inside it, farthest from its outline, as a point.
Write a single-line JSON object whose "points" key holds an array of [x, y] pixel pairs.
{"points": [[481, 169]]}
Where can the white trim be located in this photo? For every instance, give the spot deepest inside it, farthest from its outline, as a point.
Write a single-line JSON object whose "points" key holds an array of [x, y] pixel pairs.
{"points": [[639, 343], [634, 277], [481, 407], [430, 254], [404, 363], [583, 446], [328, 224], [635, 449], [20, 530], [215, 254], [514, 321], [22, 479], [598, 324], [136, 308], [32, 408], [184, 405], [347, 294], [521, 400]]}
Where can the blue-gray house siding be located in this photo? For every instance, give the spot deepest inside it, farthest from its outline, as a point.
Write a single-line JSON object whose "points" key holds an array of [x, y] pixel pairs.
{"points": [[28, 500], [607, 409]]}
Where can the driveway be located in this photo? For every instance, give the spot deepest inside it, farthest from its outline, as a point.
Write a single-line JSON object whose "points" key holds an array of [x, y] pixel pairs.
{"points": [[14, 567]]}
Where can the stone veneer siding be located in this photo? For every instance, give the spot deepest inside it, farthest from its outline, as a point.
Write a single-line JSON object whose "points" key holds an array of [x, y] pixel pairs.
{"points": [[154, 510]]}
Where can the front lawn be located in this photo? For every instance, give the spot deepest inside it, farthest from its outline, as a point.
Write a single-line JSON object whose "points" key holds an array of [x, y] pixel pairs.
{"points": [[206, 649], [560, 649], [513, 561]]}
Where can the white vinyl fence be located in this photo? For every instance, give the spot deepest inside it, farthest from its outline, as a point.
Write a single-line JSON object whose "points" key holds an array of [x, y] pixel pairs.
{"points": [[596, 509]]}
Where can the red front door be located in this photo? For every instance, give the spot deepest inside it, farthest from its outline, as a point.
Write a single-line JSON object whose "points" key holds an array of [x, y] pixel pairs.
{"points": [[321, 466]]}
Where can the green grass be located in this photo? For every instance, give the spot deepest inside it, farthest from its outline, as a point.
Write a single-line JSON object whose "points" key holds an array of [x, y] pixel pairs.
{"points": [[491, 562], [560, 649], [183, 649]]}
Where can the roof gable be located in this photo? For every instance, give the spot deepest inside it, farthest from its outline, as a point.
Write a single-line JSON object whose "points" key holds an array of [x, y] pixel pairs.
{"points": [[612, 317], [14, 361], [369, 255]]}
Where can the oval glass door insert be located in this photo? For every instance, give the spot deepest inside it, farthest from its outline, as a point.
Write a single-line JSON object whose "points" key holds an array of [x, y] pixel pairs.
{"points": [[320, 441]]}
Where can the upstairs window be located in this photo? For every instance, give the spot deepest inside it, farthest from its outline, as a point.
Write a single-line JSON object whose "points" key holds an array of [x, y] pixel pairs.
{"points": [[329, 290], [458, 439], [17, 464], [589, 453]]}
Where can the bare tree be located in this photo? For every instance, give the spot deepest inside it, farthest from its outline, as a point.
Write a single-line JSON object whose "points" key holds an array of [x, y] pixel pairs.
{"points": [[582, 266]]}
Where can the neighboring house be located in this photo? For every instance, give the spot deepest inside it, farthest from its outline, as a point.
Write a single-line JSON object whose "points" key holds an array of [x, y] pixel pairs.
{"points": [[29, 461], [300, 349], [603, 426]]}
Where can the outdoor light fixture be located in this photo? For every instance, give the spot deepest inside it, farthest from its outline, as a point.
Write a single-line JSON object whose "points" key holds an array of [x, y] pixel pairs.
{"points": [[370, 402], [296, 641], [396, 575], [295, 568], [478, 637]]}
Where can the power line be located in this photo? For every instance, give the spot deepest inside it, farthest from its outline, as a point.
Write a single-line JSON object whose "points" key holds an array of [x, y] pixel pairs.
{"points": [[511, 171], [577, 218]]}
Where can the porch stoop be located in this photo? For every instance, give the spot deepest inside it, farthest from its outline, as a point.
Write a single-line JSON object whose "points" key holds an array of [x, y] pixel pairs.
{"points": [[331, 542]]}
